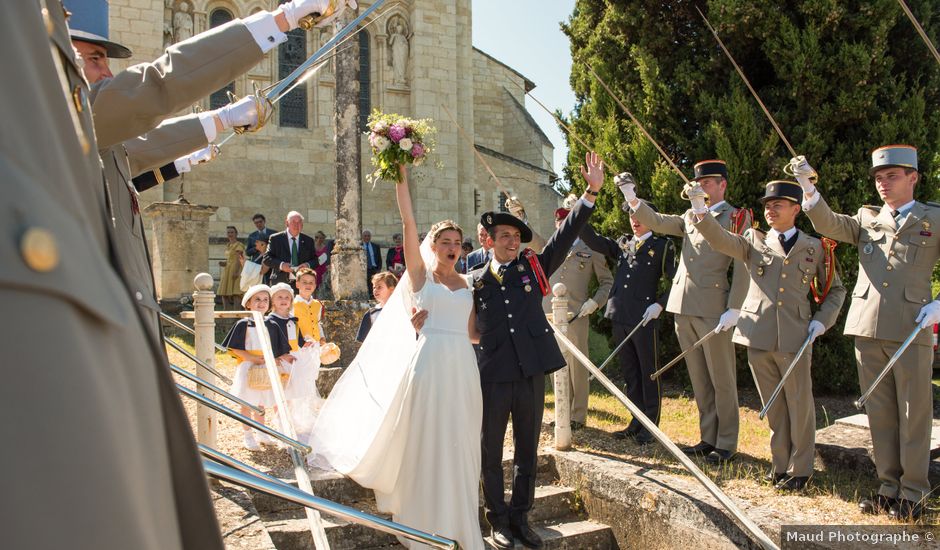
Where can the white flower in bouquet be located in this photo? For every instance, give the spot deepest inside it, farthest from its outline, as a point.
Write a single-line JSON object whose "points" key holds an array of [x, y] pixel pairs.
{"points": [[381, 143], [405, 144]]}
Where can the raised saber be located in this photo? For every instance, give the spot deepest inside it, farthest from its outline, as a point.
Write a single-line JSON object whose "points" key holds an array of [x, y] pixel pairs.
{"points": [[670, 364], [664, 440], [783, 380], [860, 402], [920, 30], [623, 106], [620, 345], [748, 84], [212, 387]]}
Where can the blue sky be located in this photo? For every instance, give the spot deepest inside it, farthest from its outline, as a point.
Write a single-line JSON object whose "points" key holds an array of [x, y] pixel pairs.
{"points": [[525, 35]]}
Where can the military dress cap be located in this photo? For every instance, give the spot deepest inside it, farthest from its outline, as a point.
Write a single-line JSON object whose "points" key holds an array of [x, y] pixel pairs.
{"points": [[904, 156], [710, 169], [492, 219], [89, 23], [786, 190]]}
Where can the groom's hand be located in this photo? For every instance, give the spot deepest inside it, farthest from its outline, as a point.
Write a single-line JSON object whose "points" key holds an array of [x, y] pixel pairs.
{"points": [[418, 317]]}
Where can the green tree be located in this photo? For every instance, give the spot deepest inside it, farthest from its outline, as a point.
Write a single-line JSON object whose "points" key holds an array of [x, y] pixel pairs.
{"points": [[840, 78]]}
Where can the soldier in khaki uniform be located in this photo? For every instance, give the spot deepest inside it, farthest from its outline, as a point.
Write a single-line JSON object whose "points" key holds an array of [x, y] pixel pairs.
{"points": [[703, 301], [776, 319], [898, 246], [580, 266], [97, 413], [134, 101]]}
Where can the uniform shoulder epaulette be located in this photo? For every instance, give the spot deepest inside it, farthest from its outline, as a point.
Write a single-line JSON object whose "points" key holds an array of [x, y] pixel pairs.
{"points": [[754, 234], [932, 204], [872, 207]]}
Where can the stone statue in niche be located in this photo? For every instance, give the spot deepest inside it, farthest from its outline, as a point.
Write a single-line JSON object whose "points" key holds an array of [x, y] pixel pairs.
{"points": [[398, 44], [182, 22], [327, 69]]}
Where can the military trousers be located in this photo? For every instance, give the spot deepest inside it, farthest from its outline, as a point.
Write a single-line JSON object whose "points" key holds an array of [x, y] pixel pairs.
{"points": [[577, 374], [792, 417], [900, 413], [637, 362], [714, 382], [524, 400]]}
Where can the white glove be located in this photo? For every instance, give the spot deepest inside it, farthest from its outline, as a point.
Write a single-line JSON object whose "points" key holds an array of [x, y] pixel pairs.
{"points": [[243, 112], [587, 308], [324, 12], [929, 314], [322, 258], [815, 330], [697, 197], [652, 312], [185, 164], [515, 208], [803, 172], [627, 186], [728, 319]]}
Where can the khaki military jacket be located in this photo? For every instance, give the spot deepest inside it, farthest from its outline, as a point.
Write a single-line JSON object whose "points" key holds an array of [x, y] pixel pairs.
{"points": [[172, 139], [99, 430], [776, 312], [700, 287], [895, 266], [579, 266]]}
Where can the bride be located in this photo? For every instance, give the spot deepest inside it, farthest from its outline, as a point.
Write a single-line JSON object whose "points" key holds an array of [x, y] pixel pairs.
{"points": [[405, 417]]}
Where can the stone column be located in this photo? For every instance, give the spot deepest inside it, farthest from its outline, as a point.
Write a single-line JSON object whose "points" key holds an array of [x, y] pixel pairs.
{"points": [[348, 272], [179, 246], [561, 380], [204, 326]]}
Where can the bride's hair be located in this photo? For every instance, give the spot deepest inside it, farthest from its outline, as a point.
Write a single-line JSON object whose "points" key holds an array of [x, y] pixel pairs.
{"points": [[442, 226]]}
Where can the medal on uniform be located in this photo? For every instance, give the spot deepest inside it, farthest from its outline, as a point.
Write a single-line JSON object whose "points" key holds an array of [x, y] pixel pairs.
{"points": [[812, 251], [868, 249], [760, 271], [651, 252], [478, 284], [520, 268], [527, 287]]}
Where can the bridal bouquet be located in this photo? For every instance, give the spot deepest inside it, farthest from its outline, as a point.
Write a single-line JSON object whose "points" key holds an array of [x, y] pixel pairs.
{"points": [[397, 140]]}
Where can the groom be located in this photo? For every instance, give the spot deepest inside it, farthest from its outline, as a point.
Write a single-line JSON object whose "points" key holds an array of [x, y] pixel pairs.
{"points": [[517, 349]]}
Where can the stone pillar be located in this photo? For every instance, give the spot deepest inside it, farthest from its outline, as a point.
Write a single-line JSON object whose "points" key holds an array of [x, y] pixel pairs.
{"points": [[348, 272], [561, 379], [204, 326], [179, 246]]}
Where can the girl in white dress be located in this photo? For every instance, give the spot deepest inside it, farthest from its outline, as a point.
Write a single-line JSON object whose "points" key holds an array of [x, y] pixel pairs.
{"points": [[405, 417]]}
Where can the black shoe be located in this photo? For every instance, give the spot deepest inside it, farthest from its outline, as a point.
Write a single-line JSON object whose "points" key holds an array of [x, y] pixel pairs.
{"points": [[795, 484], [878, 505], [575, 425], [502, 537], [634, 429], [702, 449], [774, 478], [720, 456], [622, 434], [906, 510], [525, 535], [643, 438]]}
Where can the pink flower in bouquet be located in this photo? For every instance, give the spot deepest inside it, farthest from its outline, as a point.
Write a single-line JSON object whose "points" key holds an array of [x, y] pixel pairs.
{"points": [[417, 150], [396, 132]]}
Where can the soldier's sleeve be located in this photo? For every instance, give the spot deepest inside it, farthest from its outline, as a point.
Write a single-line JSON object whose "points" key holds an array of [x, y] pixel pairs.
{"points": [[603, 245], [558, 245], [835, 226], [155, 177], [538, 241], [138, 98], [667, 224], [605, 279], [828, 311], [669, 267], [172, 139], [723, 241]]}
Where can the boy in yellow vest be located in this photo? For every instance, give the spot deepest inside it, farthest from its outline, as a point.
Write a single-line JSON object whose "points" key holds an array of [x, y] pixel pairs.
{"points": [[307, 309]]}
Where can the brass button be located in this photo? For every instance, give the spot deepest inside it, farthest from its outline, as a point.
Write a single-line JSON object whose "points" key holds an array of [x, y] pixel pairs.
{"points": [[512, 330], [885, 284], [786, 262], [717, 285], [782, 289], [891, 253], [783, 275], [890, 268], [39, 249], [779, 304]]}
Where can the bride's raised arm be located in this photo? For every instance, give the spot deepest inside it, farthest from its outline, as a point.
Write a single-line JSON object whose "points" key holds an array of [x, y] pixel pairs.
{"points": [[414, 263]]}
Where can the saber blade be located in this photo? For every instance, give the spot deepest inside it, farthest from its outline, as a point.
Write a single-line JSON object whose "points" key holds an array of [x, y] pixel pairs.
{"points": [[783, 380], [884, 372], [620, 345], [695, 346], [920, 30]]}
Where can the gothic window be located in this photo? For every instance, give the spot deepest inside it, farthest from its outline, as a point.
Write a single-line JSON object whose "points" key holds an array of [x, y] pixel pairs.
{"points": [[290, 55], [365, 80], [219, 98]]}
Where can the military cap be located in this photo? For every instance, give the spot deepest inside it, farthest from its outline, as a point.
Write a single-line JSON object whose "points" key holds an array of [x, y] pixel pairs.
{"points": [[89, 23], [491, 219], [786, 190], [903, 156], [710, 169]]}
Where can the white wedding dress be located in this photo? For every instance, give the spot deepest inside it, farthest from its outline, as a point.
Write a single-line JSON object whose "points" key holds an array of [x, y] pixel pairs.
{"points": [[417, 443]]}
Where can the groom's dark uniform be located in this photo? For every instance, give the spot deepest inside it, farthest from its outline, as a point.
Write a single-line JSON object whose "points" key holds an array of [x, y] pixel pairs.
{"points": [[517, 348]]}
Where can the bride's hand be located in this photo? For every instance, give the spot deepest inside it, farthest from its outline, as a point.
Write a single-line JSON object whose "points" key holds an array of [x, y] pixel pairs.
{"points": [[418, 317], [403, 173]]}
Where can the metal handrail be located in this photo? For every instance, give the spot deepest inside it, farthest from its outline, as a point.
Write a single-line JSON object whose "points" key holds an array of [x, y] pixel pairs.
{"points": [[197, 360], [218, 407], [187, 328], [275, 487], [638, 414], [209, 385]]}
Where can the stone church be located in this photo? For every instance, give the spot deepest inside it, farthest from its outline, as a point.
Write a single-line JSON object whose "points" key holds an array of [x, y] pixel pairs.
{"points": [[416, 57]]}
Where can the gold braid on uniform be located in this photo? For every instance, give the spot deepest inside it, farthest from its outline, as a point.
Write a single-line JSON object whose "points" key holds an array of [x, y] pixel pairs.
{"points": [[829, 257]]}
